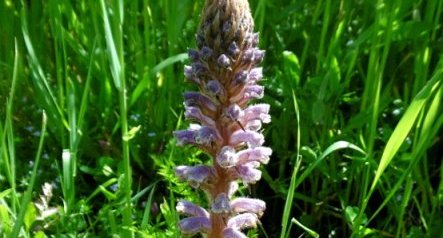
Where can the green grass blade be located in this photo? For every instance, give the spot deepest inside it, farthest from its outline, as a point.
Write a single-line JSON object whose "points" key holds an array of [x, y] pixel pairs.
{"points": [[28, 194], [114, 40], [148, 205], [292, 186], [7, 136], [142, 85], [86, 91], [41, 84], [309, 231], [339, 145], [404, 126], [116, 66]]}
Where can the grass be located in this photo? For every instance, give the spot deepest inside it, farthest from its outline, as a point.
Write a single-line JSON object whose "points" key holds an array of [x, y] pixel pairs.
{"points": [[355, 89]]}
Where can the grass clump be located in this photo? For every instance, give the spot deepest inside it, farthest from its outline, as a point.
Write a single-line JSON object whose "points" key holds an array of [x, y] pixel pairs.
{"points": [[355, 89]]}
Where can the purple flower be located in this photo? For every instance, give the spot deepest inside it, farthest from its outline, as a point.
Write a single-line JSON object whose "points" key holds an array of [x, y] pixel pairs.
{"points": [[241, 221], [198, 68], [185, 137], [253, 125], [206, 136], [215, 88], [250, 205], [233, 187], [194, 175], [227, 157], [190, 209], [199, 100], [253, 92], [249, 92], [248, 55], [224, 61], [231, 233], [221, 204], [253, 138], [190, 75], [248, 173], [192, 225], [258, 55], [254, 39], [194, 113], [260, 154], [206, 52], [256, 74], [233, 49], [241, 77], [257, 112], [193, 55], [224, 67], [234, 112]]}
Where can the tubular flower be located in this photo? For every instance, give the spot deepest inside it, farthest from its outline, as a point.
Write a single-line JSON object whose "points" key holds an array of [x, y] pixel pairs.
{"points": [[225, 125]]}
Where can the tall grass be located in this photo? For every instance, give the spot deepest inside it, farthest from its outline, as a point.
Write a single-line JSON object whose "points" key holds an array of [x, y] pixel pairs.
{"points": [[355, 89]]}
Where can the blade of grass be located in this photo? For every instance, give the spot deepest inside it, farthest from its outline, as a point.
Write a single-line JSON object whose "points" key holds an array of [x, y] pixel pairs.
{"points": [[292, 186], [114, 40], [423, 143], [404, 126], [28, 194], [399, 135], [86, 91], [41, 84], [147, 212], [339, 145], [310, 232], [142, 85], [7, 136], [404, 204]]}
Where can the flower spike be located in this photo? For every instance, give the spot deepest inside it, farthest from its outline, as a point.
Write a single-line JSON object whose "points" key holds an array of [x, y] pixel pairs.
{"points": [[226, 126]]}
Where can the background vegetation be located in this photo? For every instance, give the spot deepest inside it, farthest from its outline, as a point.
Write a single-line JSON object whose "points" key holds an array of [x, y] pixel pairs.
{"points": [[355, 89]]}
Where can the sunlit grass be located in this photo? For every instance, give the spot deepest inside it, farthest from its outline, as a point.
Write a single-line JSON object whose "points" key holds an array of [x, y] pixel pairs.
{"points": [[355, 89]]}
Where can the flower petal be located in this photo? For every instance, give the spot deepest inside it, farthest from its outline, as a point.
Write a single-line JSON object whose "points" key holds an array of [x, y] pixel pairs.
{"points": [[241, 221], [231, 233], [256, 74], [215, 88], [240, 78], [194, 175], [206, 136], [254, 92], [199, 100], [194, 113], [192, 225], [189, 74], [249, 92], [233, 187], [256, 112], [190, 209], [185, 137], [221, 204], [252, 137], [234, 112], [248, 173], [251, 205], [258, 55], [253, 125], [227, 157], [260, 154]]}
